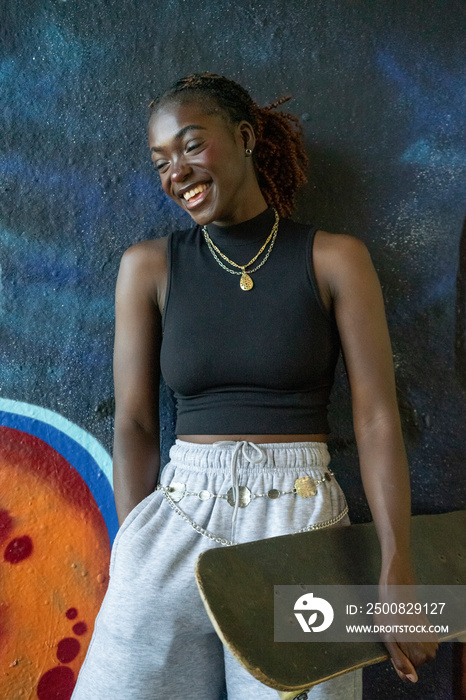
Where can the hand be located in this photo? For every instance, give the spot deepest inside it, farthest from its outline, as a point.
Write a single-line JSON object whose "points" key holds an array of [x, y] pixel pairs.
{"points": [[406, 656]]}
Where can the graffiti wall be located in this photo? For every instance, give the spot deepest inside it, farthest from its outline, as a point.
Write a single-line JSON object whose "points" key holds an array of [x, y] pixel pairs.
{"points": [[57, 519], [379, 88]]}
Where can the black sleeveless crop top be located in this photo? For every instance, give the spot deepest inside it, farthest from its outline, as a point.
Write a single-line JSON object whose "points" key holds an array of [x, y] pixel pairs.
{"points": [[247, 362]]}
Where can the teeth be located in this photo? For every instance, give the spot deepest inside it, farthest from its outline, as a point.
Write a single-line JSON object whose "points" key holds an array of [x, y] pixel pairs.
{"points": [[195, 190]]}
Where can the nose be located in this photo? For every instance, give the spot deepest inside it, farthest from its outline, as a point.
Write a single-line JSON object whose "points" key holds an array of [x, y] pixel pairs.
{"points": [[180, 170]]}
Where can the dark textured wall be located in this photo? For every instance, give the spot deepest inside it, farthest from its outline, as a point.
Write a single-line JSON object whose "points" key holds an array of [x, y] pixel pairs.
{"points": [[380, 89]]}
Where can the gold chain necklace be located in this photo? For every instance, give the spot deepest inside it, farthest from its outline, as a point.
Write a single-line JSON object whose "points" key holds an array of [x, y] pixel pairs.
{"points": [[245, 282]]}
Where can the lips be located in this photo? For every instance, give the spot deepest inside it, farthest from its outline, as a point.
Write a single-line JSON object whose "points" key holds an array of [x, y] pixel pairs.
{"points": [[195, 194]]}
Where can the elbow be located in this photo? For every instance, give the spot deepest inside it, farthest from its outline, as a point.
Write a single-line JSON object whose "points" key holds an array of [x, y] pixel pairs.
{"points": [[377, 424], [147, 427]]}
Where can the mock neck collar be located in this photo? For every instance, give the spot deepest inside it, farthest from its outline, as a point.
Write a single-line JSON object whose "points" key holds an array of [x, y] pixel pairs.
{"points": [[253, 229]]}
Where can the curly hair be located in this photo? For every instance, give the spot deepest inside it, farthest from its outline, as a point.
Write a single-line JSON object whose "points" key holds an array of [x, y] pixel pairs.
{"points": [[280, 159]]}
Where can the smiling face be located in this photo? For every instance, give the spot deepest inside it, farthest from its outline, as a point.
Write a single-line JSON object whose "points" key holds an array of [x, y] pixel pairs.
{"points": [[202, 162]]}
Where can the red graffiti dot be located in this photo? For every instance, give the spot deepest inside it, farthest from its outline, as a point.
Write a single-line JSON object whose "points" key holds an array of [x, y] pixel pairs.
{"points": [[56, 684], [71, 613], [68, 649], [6, 523], [18, 549], [80, 628]]}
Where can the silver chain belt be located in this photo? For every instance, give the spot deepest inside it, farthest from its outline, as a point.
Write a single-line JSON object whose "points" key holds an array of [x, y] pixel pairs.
{"points": [[304, 486], [228, 543]]}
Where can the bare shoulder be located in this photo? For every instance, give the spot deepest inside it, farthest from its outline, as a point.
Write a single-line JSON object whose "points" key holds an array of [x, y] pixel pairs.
{"points": [[143, 267], [146, 254], [340, 259], [339, 248]]}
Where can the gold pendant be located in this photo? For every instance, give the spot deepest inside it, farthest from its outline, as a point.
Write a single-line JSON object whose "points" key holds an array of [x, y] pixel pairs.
{"points": [[305, 487], [246, 282]]}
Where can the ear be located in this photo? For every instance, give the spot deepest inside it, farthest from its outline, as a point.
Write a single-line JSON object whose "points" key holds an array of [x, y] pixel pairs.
{"points": [[247, 135]]}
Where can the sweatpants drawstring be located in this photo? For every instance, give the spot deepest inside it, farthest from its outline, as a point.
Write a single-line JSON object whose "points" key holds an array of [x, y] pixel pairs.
{"points": [[258, 458]]}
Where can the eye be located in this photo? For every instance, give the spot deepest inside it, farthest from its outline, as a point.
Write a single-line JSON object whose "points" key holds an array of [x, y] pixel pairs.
{"points": [[159, 165], [192, 145]]}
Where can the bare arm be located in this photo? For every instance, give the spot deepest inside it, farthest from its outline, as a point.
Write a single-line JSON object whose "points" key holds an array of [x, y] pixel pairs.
{"points": [[136, 456], [360, 316], [349, 278]]}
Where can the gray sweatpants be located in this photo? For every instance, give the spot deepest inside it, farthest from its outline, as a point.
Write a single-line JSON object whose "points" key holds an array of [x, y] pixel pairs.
{"points": [[153, 639]]}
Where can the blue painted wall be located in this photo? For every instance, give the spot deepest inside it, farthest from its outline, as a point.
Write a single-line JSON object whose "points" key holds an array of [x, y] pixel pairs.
{"points": [[381, 91]]}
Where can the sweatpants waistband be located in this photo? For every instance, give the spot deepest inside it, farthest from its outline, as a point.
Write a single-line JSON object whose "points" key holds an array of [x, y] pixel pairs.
{"points": [[275, 456], [240, 456]]}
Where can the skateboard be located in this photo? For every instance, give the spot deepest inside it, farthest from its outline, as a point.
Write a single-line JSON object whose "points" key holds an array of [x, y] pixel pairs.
{"points": [[236, 584]]}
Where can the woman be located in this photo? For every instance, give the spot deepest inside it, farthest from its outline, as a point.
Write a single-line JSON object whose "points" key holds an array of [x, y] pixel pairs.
{"points": [[244, 312]]}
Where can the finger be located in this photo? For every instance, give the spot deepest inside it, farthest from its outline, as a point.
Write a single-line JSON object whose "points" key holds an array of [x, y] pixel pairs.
{"points": [[405, 676], [401, 663], [419, 653]]}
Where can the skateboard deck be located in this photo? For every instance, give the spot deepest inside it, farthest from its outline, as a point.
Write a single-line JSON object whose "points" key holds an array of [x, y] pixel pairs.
{"points": [[236, 584]]}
